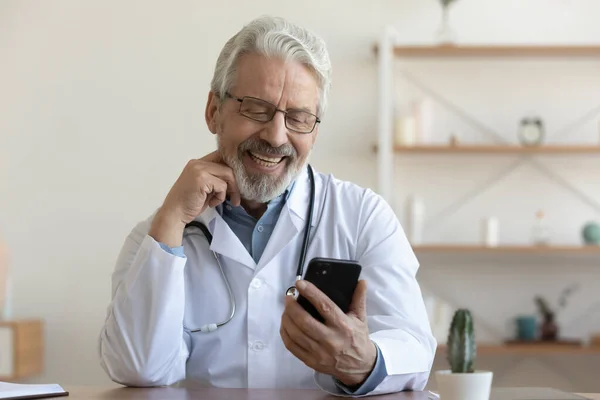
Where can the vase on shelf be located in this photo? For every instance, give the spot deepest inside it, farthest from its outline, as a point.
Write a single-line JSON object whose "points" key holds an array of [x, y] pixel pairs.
{"points": [[591, 233], [445, 34], [549, 329]]}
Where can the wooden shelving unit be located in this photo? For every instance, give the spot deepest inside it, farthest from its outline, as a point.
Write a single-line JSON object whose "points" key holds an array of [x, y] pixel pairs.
{"points": [[21, 349], [495, 51], [388, 52], [499, 149], [515, 249]]}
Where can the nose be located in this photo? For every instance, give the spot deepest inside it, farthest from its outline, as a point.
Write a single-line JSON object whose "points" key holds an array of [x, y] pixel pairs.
{"points": [[275, 131]]}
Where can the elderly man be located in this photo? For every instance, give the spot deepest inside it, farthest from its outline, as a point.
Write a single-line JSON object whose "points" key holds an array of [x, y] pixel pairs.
{"points": [[199, 287]]}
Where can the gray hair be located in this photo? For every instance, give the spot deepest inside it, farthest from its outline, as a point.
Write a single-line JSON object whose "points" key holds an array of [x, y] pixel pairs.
{"points": [[274, 37]]}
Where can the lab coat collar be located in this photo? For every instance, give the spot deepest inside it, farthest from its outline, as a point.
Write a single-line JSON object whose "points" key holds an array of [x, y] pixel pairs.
{"points": [[293, 215], [299, 199], [225, 241]]}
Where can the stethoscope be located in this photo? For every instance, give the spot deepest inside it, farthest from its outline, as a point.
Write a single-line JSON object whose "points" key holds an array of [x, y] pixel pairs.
{"points": [[292, 290]]}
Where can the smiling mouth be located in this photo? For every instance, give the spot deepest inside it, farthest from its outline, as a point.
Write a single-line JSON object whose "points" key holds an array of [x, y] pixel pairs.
{"points": [[264, 160]]}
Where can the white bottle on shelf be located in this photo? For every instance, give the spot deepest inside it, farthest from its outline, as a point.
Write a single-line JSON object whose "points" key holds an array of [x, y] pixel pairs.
{"points": [[405, 131], [540, 232], [423, 112], [490, 232], [415, 220]]}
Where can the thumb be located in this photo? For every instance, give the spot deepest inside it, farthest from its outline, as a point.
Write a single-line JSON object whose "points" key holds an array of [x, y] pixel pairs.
{"points": [[359, 301]]}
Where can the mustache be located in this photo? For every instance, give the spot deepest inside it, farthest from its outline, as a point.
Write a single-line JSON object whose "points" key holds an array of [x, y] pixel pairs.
{"points": [[262, 146]]}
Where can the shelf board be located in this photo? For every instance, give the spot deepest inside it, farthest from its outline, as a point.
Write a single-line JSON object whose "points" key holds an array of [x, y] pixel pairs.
{"points": [[531, 349], [497, 51], [500, 149], [465, 249]]}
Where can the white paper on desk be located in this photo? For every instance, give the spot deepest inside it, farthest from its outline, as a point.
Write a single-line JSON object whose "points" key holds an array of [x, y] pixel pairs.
{"points": [[12, 390]]}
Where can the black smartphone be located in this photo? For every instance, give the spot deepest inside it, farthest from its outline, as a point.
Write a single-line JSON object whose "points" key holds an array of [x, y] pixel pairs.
{"points": [[336, 278]]}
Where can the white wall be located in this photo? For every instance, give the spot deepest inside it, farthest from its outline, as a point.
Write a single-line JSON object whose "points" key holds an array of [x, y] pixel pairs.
{"points": [[102, 104]]}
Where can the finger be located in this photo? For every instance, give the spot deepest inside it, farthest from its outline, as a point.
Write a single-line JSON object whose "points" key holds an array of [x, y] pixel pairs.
{"points": [[330, 312], [216, 199], [300, 353], [299, 336], [358, 307], [224, 172], [301, 318], [215, 190]]}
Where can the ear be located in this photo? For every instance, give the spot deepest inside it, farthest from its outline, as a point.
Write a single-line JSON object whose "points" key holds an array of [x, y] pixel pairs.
{"points": [[212, 112]]}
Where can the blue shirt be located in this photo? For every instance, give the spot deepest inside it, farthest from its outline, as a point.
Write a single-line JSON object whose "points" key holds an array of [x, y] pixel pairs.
{"points": [[254, 235]]}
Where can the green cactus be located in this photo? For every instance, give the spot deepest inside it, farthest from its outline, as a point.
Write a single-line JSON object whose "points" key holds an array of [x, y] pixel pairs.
{"points": [[461, 342]]}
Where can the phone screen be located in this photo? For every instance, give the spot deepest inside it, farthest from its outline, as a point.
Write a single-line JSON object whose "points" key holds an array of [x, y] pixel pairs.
{"points": [[336, 278]]}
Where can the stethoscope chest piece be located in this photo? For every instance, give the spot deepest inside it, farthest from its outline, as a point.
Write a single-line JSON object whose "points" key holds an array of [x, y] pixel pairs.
{"points": [[292, 291]]}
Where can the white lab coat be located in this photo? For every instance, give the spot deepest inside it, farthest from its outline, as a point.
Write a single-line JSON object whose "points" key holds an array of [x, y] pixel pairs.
{"points": [[157, 297]]}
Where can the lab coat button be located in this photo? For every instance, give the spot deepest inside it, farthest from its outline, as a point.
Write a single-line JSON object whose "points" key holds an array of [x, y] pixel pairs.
{"points": [[258, 345], [256, 283], [260, 228]]}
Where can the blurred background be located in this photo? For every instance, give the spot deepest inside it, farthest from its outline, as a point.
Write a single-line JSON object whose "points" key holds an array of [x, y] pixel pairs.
{"points": [[487, 148]]}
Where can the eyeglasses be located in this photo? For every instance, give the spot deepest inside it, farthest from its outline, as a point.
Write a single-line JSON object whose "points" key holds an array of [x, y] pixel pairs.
{"points": [[299, 121]]}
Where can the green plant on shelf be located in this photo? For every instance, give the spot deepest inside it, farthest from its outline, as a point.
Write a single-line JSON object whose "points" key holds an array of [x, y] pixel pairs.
{"points": [[549, 327]]}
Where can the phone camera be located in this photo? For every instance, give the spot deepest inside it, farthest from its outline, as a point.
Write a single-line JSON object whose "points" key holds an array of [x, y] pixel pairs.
{"points": [[324, 269]]}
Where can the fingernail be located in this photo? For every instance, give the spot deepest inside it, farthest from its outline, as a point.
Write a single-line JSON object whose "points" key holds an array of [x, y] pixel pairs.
{"points": [[301, 285]]}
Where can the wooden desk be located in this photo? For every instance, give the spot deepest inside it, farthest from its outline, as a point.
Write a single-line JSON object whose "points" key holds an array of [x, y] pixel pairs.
{"points": [[86, 393]]}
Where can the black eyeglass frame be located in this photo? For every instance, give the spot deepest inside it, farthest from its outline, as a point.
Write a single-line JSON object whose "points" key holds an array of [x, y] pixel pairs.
{"points": [[241, 100]]}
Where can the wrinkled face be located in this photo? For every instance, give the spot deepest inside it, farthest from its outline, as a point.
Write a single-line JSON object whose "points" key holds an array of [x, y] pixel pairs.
{"points": [[266, 154]]}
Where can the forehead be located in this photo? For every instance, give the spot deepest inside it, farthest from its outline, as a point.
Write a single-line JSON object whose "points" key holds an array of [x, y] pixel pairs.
{"points": [[287, 84]]}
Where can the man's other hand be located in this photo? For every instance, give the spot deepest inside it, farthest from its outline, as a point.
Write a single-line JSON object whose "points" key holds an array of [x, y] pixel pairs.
{"points": [[341, 346]]}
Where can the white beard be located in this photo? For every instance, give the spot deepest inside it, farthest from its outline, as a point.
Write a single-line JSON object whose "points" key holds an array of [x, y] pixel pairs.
{"points": [[261, 188]]}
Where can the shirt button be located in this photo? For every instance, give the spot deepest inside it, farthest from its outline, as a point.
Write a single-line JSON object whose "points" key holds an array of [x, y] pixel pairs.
{"points": [[258, 345], [260, 228], [256, 283], [228, 207]]}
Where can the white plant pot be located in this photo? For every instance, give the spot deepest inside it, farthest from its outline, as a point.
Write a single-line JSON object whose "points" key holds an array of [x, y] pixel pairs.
{"points": [[476, 385]]}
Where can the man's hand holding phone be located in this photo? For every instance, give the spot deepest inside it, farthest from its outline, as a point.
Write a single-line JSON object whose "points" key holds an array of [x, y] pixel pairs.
{"points": [[203, 183], [340, 347]]}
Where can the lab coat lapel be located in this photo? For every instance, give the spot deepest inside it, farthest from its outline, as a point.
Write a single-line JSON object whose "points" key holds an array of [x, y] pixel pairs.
{"points": [[225, 241], [300, 200], [285, 230]]}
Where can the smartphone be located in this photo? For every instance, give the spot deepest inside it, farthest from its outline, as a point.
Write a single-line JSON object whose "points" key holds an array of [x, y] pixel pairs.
{"points": [[336, 278]]}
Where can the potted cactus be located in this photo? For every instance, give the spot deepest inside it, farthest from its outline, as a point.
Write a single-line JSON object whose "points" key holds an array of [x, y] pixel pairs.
{"points": [[462, 381]]}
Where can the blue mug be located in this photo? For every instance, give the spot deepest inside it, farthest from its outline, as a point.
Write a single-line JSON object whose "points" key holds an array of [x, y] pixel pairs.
{"points": [[526, 328]]}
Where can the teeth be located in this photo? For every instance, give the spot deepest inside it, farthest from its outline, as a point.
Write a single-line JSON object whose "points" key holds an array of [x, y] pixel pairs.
{"points": [[265, 160]]}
